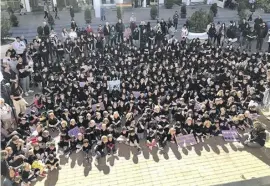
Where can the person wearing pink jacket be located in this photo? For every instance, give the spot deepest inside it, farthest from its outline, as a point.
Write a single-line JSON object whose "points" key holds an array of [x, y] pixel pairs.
{"points": [[127, 34]]}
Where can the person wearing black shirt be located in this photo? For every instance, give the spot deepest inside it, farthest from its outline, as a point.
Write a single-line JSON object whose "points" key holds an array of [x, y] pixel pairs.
{"points": [[120, 28], [16, 96], [256, 137], [135, 37], [134, 139], [52, 162], [9, 75], [99, 149], [175, 20], [24, 76], [44, 53], [111, 145]]}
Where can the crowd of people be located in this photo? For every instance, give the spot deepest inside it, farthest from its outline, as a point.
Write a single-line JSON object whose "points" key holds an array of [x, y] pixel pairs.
{"points": [[161, 88]]}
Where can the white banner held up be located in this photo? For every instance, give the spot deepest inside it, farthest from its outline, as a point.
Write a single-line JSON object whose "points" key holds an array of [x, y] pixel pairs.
{"points": [[113, 85]]}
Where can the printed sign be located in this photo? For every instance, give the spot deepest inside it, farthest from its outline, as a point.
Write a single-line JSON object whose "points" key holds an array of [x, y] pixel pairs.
{"points": [[75, 131], [185, 140], [230, 135], [94, 106], [136, 94], [82, 84], [113, 85]]}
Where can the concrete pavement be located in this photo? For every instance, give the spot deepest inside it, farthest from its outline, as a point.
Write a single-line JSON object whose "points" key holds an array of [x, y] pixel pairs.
{"points": [[29, 23]]}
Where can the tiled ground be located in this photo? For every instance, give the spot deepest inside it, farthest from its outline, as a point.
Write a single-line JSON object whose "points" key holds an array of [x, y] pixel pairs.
{"points": [[211, 164]]}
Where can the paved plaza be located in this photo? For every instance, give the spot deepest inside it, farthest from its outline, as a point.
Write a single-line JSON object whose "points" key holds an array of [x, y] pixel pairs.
{"points": [[211, 163]]}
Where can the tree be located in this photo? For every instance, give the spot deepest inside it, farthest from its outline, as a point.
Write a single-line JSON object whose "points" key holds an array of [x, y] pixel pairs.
{"points": [[5, 27], [153, 12], [14, 20], [199, 21], [169, 4], [87, 15], [214, 9], [119, 12]]}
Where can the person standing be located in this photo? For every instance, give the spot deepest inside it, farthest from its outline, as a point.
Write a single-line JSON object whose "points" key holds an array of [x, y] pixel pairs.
{"points": [[136, 36], [184, 32], [120, 27], [261, 35], [5, 114], [22, 9], [243, 29], [19, 46], [102, 13], [106, 31], [71, 11], [46, 29], [250, 37], [24, 76], [175, 20], [132, 18], [56, 12], [46, 14]]}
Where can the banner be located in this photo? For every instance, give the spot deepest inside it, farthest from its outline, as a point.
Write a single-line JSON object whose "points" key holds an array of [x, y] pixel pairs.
{"points": [[230, 135], [113, 85], [185, 140], [136, 94], [75, 131], [94, 106]]}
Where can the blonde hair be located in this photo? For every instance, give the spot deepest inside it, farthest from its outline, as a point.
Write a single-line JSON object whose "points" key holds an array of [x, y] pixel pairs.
{"points": [[207, 123], [64, 123], [115, 114], [220, 93], [104, 139], [171, 130], [72, 121], [241, 116]]}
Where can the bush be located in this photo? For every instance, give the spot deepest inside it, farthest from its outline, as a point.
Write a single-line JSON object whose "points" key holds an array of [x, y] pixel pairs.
{"points": [[214, 9], [199, 21], [50, 20], [169, 4], [136, 3], [10, 10], [40, 31], [14, 20], [153, 12], [61, 4], [242, 15], [76, 7], [119, 13], [178, 2], [241, 6], [87, 15], [38, 9], [184, 9], [5, 27]]}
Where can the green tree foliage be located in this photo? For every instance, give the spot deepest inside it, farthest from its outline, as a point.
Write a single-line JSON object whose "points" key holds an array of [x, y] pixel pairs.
{"points": [[5, 27], [169, 4], [153, 12], [199, 21], [87, 15]]}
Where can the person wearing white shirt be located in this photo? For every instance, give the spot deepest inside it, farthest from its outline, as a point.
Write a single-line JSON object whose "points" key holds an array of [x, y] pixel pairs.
{"points": [[65, 34], [72, 35], [132, 18], [19, 46], [184, 32], [5, 114]]}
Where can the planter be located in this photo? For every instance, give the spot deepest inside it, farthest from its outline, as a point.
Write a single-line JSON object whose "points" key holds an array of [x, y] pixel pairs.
{"points": [[88, 21], [183, 15], [201, 36], [5, 46]]}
